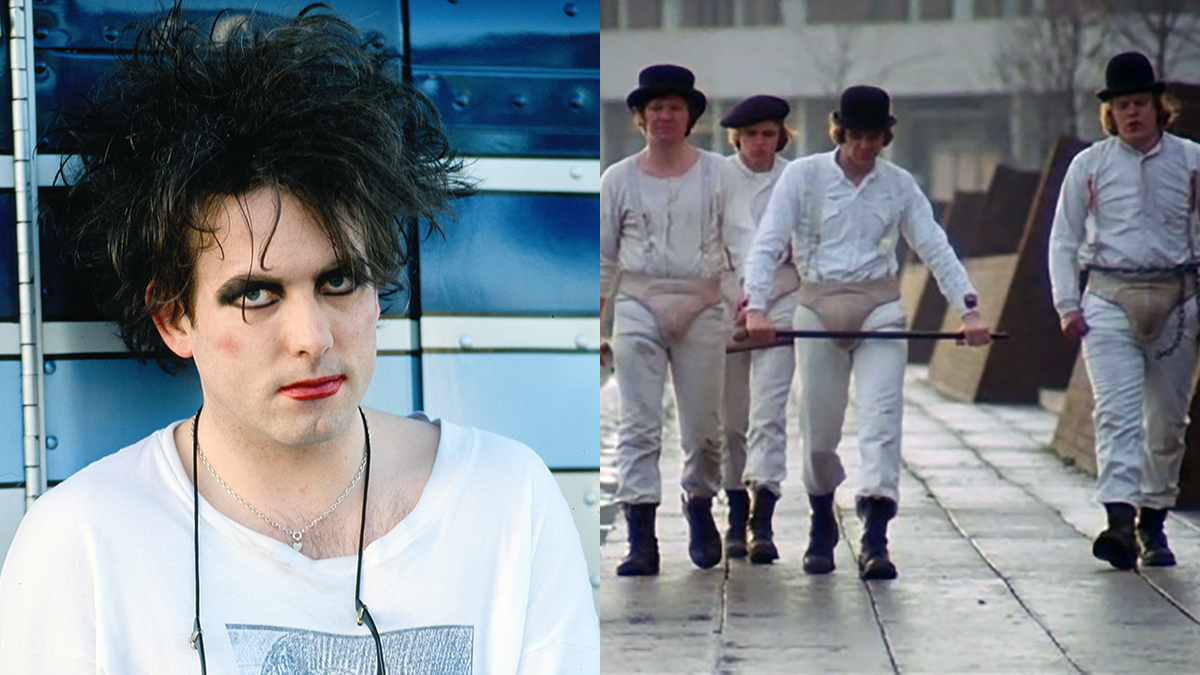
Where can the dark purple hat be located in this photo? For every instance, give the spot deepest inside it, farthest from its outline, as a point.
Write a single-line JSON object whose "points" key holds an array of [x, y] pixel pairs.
{"points": [[754, 110], [864, 108], [667, 80], [1129, 73]]}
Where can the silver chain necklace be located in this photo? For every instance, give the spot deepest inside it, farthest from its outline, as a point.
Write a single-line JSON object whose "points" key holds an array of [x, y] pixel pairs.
{"points": [[296, 535]]}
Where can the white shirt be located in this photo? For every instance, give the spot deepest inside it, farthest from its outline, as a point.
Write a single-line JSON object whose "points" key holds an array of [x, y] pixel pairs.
{"points": [[1139, 214], [844, 232], [697, 225], [485, 575]]}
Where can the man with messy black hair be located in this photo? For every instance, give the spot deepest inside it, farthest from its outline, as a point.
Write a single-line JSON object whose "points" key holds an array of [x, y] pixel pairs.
{"points": [[245, 194]]}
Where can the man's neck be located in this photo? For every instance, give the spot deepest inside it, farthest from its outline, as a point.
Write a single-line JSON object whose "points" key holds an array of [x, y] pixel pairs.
{"points": [[668, 160], [757, 168], [854, 173], [1147, 144]]}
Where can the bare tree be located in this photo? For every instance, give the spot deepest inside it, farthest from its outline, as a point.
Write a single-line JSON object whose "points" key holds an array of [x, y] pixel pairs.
{"points": [[1168, 31], [1046, 56]]}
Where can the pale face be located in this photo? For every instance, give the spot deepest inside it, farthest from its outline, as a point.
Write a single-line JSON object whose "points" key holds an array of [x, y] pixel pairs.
{"points": [[666, 119], [1136, 120], [860, 149], [284, 349], [757, 144]]}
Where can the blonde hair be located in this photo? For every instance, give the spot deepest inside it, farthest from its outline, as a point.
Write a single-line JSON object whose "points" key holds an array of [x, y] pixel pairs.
{"points": [[785, 136]]}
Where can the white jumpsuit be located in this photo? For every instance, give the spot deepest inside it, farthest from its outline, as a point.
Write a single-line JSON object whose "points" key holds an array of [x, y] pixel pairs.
{"points": [[757, 383], [687, 227], [842, 232], [1120, 208]]}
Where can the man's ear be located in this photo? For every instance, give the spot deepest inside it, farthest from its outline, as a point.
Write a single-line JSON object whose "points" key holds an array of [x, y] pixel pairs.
{"points": [[173, 325]]}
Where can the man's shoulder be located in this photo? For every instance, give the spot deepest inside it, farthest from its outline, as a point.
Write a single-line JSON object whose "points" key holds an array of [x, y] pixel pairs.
{"points": [[618, 170], [112, 475]]}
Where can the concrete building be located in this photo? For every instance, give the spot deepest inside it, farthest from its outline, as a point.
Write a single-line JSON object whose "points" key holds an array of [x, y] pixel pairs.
{"points": [[973, 82]]}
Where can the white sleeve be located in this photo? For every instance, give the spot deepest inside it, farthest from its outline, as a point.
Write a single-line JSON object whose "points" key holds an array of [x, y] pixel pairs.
{"points": [[562, 632], [928, 239], [610, 231], [1067, 235], [773, 233]]}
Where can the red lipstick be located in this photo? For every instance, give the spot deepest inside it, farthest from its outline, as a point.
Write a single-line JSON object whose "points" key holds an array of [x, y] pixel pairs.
{"points": [[307, 390]]}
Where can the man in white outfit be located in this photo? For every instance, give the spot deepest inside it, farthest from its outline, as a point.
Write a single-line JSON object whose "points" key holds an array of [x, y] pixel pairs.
{"points": [[758, 405], [1126, 217], [671, 224], [844, 211]]}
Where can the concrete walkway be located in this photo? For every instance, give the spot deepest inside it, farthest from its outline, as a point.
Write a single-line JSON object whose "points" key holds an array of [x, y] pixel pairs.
{"points": [[993, 546]]}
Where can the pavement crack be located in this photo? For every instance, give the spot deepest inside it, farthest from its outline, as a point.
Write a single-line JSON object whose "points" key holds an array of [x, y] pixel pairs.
{"points": [[883, 633]]}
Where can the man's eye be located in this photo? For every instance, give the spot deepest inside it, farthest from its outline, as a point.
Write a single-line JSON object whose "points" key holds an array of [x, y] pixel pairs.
{"points": [[254, 298], [339, 284]]}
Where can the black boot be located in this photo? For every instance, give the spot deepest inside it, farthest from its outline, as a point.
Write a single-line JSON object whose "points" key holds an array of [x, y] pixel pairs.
{"points": [[704, 542], [643, 544], [873, 560], [762, 548], [1152, 540], [822, 535], [739, 512], [1117, 545]]}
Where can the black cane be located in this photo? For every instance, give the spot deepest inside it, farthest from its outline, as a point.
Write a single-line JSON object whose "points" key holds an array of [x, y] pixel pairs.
{"points": [[785, 337]]}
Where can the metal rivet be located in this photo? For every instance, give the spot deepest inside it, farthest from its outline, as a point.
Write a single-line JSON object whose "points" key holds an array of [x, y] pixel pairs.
{"points": [[466, 342], [461, 101], [577, 172], [518, 101], [51, 442], [111, 34], [41, 32], [49, 367], [590, 498], [595, 579], [576, 102], [39, 67], [570, 9], [581, 341]]}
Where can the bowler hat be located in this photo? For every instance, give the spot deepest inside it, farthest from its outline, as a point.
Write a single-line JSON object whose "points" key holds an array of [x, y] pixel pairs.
{"points": [[864, 108], [1129, 73], [754, 110], [667, 80]]}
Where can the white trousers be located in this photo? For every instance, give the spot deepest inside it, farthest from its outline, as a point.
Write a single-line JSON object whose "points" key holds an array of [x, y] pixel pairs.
{"points": [[757, 384], [878, 369], [697, 365], [1141, 404]]}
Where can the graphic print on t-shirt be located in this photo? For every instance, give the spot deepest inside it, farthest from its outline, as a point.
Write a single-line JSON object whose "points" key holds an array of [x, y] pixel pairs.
{"points": [[271, 650]]}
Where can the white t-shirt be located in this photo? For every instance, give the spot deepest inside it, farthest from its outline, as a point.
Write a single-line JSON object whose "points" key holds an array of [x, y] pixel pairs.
{"points": [[485, 575]]}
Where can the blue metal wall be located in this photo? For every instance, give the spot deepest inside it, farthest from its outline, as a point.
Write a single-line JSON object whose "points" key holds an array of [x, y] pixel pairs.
{"points": [[515, 81]]}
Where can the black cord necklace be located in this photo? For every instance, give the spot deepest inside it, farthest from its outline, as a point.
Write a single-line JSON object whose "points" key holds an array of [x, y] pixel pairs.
{"points": [[360, 608]]}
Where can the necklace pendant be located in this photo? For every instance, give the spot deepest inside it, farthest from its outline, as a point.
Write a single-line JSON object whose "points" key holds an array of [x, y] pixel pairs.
{"points": [[297, 545]]}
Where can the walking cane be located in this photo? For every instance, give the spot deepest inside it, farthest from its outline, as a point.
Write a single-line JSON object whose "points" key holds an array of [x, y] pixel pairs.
{"points": [[785, 337]]}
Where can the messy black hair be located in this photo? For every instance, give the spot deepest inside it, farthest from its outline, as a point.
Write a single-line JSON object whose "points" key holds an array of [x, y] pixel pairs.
{"points": [[194, 116]]}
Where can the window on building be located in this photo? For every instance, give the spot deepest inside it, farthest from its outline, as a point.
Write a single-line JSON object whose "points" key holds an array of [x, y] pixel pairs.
{"points": [[858, 11], [610, 17], [991, 9], [644, 14], [761, 13], [707, 13], [933, 10], [962, 169]]}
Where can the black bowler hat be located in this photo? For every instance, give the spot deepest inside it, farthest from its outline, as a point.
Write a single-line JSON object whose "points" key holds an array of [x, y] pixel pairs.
{"points": [[667, 80], [864, 108], [1129, 73], [754, 110]]}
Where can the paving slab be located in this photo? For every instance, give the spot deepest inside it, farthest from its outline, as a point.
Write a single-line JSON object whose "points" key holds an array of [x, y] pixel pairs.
{"points": [[993, 547]]}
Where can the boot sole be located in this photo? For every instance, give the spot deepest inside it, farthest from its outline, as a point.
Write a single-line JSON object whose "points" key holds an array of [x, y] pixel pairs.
{"points": [[637, 571], [816, 564], [763, 553], [735, 550], [1157, 559], [1114, 552], [877, 571]]}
